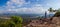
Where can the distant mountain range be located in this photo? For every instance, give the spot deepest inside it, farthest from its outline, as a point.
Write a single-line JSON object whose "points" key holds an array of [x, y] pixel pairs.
{"points": [[24, 15]]}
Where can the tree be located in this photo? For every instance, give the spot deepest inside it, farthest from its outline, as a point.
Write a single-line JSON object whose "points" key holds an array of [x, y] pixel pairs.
{"points": [[51, 11], [57, 11]]}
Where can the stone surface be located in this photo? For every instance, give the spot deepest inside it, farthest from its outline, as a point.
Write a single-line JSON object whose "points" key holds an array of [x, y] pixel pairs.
{"points": [[46, 22]]}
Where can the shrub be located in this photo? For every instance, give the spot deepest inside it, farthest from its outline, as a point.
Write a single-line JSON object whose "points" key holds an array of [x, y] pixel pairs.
{"points": [[57, 14]]}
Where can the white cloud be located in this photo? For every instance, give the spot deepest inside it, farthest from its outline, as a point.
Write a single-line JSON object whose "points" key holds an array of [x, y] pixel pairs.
{"points": [[12, 7], [37, 9], [16, 2]]}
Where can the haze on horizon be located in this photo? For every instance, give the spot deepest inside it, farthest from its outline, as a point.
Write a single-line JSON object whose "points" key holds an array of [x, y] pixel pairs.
{"points": [[28, 6]]}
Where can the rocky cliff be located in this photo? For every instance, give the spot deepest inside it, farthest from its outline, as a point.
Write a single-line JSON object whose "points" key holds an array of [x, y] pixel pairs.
{"points": [[45, 22]]}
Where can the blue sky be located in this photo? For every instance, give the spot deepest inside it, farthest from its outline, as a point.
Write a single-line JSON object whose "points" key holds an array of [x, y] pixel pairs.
{"points": [[28, 6], [3, 2]]}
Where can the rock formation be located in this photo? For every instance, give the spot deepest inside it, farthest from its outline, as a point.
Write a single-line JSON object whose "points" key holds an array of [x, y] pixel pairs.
{"points": [[45, 22]]}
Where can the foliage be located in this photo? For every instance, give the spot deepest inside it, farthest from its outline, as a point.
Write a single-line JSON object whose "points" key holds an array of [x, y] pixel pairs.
{"points": [[57, 14], [15, 21], [50, 10]]}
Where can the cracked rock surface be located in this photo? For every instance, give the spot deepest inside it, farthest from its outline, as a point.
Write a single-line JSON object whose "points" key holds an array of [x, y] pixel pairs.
{"points": [[45, 22]]}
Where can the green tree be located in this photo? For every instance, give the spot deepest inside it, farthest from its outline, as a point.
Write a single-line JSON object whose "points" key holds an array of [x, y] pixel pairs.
{"points": [[51, 11]]}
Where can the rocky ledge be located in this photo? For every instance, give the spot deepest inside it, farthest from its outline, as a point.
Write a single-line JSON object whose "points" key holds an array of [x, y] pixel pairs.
{"points": [[45, 22]]}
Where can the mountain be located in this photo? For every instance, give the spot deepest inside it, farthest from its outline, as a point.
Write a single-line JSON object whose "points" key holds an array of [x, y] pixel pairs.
{"points": [[24, 15]]}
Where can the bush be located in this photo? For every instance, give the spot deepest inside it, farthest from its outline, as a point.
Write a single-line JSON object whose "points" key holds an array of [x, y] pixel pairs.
{"points": [[15, 21], [57, 14]]}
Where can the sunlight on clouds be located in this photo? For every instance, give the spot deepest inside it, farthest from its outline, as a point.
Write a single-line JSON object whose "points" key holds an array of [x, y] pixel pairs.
{"points": [[29, 6], [14, 3], [37, 9], [34, 9], [18, 1]]}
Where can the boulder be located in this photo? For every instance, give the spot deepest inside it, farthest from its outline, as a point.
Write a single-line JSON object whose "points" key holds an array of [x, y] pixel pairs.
{"points": [[56, 20]]}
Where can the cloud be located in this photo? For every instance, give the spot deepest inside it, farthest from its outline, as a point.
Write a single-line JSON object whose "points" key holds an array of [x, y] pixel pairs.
{"points": [[37, 9], [20, 6]]}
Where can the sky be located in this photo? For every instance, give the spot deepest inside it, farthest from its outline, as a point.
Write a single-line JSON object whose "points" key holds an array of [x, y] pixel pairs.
{"points": [[28, 6]]}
